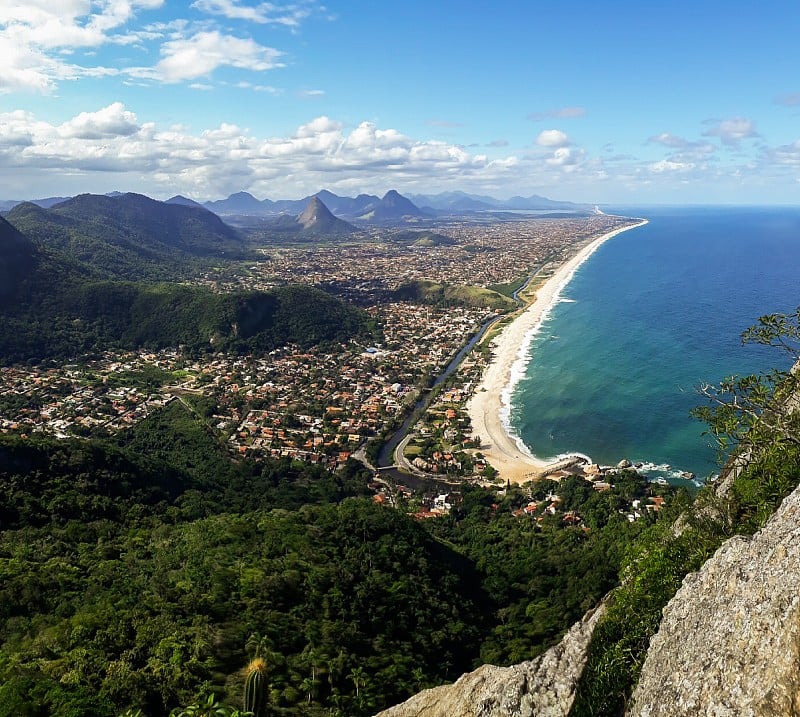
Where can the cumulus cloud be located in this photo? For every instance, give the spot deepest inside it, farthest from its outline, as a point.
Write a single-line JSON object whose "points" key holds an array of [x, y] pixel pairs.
{"points": [[37, 36], [666, 166], [263, 13], [684, 149], [788, 154], [566, 158], [561, 113], [201, 54], [552, 138], [732, 131], [111, 121], [321, 152]]}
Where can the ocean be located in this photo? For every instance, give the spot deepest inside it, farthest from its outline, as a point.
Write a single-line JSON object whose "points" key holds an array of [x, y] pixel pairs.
{"points": [[655, 312]]}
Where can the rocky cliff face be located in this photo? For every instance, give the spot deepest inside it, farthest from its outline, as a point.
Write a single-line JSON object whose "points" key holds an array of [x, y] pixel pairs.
{"points": [[729, 642], [544, 687], [728, 646]]}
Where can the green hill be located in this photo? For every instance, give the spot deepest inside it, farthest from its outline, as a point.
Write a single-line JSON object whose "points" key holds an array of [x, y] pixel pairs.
{"points": [[430, 292], [88, 316], [54, 307], [17, 259], [130, 236]]}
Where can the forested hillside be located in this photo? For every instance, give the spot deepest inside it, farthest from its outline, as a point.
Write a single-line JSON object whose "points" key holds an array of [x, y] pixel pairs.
{"points": [[55, 307], [145, 571], [130, 236]]}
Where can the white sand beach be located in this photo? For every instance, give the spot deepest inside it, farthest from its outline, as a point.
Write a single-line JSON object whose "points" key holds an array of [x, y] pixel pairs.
{"points": [[488, 405]]}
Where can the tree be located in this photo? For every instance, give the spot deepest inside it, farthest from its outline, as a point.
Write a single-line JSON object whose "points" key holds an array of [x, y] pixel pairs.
{"points": [[758, 409]]}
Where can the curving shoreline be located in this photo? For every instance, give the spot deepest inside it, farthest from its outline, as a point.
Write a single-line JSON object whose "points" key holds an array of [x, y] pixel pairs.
{"points": [[489, 406]]}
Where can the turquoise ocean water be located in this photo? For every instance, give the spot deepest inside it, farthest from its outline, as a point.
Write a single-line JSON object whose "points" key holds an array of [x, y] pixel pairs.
{"points": [[652, 314]]}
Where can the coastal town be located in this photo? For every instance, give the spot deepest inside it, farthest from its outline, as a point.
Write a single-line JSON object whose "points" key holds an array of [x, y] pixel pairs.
{"points": [[328, 406]]}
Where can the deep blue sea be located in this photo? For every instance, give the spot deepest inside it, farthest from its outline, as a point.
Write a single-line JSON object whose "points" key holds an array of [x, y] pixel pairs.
{"points": [[652, 314]]}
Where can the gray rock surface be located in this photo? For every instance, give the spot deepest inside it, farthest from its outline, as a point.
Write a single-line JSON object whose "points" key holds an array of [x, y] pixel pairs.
{"points": [[729, 641], [544, 687]]}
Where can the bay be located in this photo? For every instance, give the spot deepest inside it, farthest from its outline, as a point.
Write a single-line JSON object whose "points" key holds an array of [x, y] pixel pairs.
{"points": [[651, 315]]}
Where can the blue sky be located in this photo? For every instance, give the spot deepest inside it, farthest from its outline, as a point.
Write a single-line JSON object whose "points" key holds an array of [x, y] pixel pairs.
{"points": [[615, 102]]}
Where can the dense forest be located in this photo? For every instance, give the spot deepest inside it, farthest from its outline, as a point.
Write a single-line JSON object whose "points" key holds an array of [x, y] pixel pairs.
{"points": [[54, 307], [145, 571], [130, 236]]}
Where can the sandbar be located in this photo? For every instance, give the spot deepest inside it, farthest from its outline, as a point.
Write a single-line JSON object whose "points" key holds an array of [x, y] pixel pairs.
{"points": [[488, 405]]}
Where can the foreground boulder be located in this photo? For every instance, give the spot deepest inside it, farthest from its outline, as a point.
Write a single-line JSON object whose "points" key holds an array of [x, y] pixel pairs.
{"points": [[729, 641], [544, 687]]}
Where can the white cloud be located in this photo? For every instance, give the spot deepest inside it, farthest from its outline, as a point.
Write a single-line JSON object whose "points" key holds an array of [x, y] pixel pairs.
{"points": [[204, 52], [666, 165], [732, 131], [566, 158], [788, 154], [37, 35], [229, 158], [552, 138], [111, 121], [67, 23], [263, 13]]}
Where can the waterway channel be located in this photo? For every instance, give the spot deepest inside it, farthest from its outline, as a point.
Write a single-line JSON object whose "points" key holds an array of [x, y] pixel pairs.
{"points": [[385, 459]]}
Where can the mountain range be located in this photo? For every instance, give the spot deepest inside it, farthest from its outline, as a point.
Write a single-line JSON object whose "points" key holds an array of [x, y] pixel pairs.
{"points": [[364, 208], [71, 282]]}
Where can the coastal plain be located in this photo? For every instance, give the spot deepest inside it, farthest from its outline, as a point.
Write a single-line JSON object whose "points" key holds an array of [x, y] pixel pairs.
{"points": [[490, 405]]}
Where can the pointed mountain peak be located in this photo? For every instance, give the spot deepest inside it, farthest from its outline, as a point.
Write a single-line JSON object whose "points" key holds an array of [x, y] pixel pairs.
{"points": [[316, 218], [316, 214], [392, 196]]}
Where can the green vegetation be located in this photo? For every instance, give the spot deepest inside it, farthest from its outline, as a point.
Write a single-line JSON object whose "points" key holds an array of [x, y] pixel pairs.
{"points": [[130, 236], [52, 307], [542, 573], [64, 320], [144, 573], [429, 292], [755, 417], [421, 240], [511, 288]]}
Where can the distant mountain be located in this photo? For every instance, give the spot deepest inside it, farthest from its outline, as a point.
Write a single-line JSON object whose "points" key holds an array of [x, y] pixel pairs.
{"points": [[461, 201], [316, 218], [348, 206], [243, 204], [129, 236], [240, 203], [185, 201], [6, 205], [391, 208], [537, 202], [453, 201]]}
